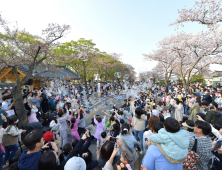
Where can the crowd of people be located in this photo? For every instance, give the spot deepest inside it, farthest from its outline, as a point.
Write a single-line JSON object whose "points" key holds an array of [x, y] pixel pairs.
{"points": [[165, 127]]}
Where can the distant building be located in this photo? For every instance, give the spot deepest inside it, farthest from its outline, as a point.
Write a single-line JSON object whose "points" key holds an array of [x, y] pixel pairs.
{"points": [[40, 75], [216, 77]]}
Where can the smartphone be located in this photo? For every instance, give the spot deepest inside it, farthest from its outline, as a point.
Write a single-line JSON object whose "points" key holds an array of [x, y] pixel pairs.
{"points": [[113, 139], [217, 145], [50, 146]]}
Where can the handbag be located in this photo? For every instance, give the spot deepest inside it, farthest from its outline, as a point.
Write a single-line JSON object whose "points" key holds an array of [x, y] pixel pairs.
{"points": [[135, 155], [191, 161], [8, 140]]}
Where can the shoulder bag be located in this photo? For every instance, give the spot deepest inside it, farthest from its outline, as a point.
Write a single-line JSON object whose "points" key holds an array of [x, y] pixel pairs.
{"points": [[9, 140], [191, 161], [135, 155]]}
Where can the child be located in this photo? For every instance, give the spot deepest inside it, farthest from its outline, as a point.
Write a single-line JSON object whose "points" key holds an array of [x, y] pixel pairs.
{"points": [[66, 150], [174, 142], [74, 126], [54, 124], [63, 125], [99, 129], [115, 131], [103, 135], [121, 122], [32, 118], [120, 116], [92, 128]]}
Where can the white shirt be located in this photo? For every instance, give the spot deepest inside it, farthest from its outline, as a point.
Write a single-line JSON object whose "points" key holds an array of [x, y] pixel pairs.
{"points": [[5, 105], [154, 112]]}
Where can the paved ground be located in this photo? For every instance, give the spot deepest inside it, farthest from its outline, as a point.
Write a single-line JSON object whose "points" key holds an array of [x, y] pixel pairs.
{"points": [[97, 110]]}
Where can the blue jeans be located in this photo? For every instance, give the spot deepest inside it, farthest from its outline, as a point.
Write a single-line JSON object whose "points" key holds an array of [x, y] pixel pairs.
{"points": [[1, 159], [139, 136], [186, 110], [13, 149], [146, 123]]}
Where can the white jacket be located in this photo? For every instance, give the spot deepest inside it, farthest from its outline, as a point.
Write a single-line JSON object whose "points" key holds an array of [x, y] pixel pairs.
{"points": [[215, 132], [14, 131], [146, 137]]}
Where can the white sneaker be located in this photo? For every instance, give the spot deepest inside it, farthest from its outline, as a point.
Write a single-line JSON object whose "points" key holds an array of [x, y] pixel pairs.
{"points": [[141, 152]]}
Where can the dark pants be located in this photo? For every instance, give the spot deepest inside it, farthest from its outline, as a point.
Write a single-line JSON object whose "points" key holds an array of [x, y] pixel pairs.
{"points": [[1, 159], [10, 151], [81, 131]]}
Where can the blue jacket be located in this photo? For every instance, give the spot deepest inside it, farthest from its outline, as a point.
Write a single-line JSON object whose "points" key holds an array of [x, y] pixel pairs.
{"points": [[154, 160], [175, 145], [29, 161], [52, 103]]}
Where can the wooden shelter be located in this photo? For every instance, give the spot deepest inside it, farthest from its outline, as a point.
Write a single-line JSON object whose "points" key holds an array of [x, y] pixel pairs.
{"points": [[40, 75]]}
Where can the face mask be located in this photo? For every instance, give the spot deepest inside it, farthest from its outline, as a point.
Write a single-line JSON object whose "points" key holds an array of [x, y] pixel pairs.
{"points": [[17, 121]]}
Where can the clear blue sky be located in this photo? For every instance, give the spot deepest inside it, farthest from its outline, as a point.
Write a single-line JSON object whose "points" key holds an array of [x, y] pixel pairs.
{"points": [[128, 27]]}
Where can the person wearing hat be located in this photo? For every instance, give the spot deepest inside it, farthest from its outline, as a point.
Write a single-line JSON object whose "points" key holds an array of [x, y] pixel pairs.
{"points": [[76, 163], [49, 137], [189, 126]]}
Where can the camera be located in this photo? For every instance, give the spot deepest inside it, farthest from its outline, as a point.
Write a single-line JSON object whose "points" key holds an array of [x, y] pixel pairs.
{"points": [[112, 139]]}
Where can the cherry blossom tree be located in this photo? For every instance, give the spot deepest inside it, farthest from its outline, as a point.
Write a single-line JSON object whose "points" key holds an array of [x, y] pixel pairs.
{"points": [[194, 52], [166, 61], [18, 47], [207, 12]]}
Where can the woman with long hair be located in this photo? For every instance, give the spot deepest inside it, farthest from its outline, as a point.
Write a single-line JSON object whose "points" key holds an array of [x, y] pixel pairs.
{"points": [[10, 139], [146, 135], [138, 123], [178, 110], [49, 159]]}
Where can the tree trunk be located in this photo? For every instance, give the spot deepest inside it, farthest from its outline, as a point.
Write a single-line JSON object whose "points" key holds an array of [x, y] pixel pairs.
{"points": [[19, 106], [167, 85]]}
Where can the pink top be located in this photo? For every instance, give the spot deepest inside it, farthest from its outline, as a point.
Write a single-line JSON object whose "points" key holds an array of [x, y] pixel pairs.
{"points": [[99, 128], [191, 102], [75, 127]]}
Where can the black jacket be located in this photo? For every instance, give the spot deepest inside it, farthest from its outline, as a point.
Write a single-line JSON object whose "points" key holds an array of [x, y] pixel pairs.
{"points": [[207, 98], [75, 152]]}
